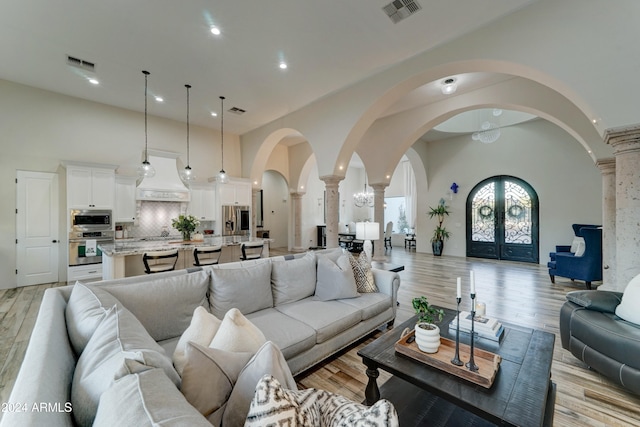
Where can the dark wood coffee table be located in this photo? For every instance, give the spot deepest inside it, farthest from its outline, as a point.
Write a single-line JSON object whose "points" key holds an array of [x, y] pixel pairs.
{"points": [[521, 395]]}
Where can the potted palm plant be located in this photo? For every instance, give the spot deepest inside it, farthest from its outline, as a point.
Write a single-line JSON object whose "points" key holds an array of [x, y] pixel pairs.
{"points": [[440, 234], [427, 333]]}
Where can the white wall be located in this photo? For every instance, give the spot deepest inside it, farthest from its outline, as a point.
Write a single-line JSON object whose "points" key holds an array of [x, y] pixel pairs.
{"points": [[275, 205], [40, 129], [568, 184]]}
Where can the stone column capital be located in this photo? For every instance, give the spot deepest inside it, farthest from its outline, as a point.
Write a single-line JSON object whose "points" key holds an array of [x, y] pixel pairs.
{"points": [[378, 187], [623, 139], [331, 180], [607, 165], [296, 195]]}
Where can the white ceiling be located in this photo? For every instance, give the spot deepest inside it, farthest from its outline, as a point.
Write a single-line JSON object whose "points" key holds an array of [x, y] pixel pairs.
{"points": [[328, 44]]}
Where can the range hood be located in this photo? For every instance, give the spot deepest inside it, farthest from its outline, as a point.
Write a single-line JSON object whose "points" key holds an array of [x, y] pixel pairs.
{"points": [[165, 185]]}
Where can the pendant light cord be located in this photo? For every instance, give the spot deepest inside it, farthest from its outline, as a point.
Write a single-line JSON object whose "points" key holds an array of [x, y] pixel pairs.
{"points": [[222, 129], [188, 87], [146, 152]]}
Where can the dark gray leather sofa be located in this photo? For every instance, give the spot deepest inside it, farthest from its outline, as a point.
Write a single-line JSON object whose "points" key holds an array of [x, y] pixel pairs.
{"points": [[591, 331]]}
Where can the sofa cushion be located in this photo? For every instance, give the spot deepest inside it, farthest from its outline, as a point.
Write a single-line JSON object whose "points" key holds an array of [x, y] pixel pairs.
{"points": [[120, 336], [143, 399], [629, 308], [335, 279], [209, 376], [203, 327], [247, 288], [328, 318], [290, 335], [362, 273], [165, 305], [369, 304], [237, 333], [293, 279], [87, 307], [268, 360]]}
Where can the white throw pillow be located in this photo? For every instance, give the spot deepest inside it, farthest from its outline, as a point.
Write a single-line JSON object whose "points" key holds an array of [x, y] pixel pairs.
{"points": [[237, 333], [335, 279], [574, 244], [580, 248], [202, 329], [628, 308]]}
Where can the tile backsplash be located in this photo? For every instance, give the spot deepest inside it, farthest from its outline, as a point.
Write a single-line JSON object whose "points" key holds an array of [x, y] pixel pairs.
{"points": [[155, 217]]}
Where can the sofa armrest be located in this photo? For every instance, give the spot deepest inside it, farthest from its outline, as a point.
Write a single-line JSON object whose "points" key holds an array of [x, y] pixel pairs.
{"points": [[47, 369], [387, 282], [603, 301]]}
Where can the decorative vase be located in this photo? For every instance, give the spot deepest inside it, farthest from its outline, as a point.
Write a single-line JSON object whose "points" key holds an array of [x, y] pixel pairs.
{"points": [[428, 340], [437, 246], [186, 236]]}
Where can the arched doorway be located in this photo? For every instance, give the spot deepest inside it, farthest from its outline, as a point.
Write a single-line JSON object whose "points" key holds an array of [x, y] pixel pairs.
{"points": [[503, 220]]}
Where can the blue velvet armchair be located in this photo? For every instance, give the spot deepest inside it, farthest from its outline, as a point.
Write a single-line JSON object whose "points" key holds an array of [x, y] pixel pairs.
{"points": [[586, 267]]}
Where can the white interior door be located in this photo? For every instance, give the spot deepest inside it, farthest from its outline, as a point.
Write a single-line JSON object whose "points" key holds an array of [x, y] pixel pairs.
{"points": [[37, 232]]}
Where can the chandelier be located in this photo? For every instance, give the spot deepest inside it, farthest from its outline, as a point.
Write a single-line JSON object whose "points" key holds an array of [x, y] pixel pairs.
{"points": [[364, 198], [489, 132]]}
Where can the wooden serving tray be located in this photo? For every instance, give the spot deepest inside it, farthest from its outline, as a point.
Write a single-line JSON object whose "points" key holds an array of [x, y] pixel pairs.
{"points": [[487, 362]]}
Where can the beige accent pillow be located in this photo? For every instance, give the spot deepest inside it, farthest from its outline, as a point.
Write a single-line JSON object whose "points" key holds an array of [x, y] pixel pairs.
{"points": [[628, 308], [237, 333], [202, 329], [362, 273], [147, 398], [335, 279], [208, 378]]}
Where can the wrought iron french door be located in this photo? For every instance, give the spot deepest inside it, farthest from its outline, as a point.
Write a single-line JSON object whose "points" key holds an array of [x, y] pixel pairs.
{"points": [[503, 220]]}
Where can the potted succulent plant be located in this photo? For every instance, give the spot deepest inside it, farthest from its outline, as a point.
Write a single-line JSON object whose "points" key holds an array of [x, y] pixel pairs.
{"points": [[427, 333], [186, 224], [440, 234]]}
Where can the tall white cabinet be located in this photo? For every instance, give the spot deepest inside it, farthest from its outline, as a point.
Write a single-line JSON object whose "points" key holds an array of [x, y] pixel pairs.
{"points": [[203, 203], [125, 206]]}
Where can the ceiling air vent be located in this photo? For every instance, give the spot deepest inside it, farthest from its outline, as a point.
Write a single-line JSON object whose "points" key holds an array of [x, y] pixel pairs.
{"points": [[400, 9], [236, 110], [81, 63]]}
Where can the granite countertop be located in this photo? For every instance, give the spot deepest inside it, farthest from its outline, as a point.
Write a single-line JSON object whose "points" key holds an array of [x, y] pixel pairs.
{"points": [[123, 247]]}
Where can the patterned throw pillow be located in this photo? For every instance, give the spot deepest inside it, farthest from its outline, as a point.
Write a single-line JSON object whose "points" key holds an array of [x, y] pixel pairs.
{"points": [[362, 273], [275, 406]]}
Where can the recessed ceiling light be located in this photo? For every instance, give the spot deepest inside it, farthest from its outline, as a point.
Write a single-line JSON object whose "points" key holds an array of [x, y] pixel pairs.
{"points": [[283, 65], [214, 114], [215, 31], [449, 86], [94, 81], [159, 99]]}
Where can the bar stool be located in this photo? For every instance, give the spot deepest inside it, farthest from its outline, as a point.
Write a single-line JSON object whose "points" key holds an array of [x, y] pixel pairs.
{"points": [[161, 261], [206, 255], [251, 250]]}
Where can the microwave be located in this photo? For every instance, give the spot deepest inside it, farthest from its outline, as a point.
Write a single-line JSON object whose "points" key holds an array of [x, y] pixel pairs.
{"points": [[90, 220]]}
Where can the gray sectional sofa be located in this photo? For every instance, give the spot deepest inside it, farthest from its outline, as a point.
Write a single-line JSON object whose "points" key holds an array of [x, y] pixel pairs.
{"points": [[306, 329]]}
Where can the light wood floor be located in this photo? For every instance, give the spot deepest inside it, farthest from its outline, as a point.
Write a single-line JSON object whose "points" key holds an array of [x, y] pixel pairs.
{"points": [[514, 292]]}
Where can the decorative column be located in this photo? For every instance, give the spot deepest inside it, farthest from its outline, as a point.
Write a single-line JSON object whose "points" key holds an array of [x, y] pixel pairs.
{"points": [[608, 169], [378, 216], [296, 199], [626, 149], [254, 210], [331, 183]]}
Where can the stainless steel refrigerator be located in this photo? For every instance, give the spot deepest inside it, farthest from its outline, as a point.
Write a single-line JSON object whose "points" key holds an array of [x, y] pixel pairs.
{"points": [[236, 220]]}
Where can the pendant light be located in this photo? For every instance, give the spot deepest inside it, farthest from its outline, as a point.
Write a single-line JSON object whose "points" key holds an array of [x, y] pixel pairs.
{"points": [[222, 175], [187, 174], [145, 170]]}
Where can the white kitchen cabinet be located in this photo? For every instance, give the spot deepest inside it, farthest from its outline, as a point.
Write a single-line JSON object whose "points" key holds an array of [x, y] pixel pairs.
{"points": [[125, 206], [236, 193], [89, 188], [84, 273], [203, 203]]}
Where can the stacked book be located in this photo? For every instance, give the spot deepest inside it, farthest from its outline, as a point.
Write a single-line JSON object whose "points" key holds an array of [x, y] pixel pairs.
{"points": [[484, 327]]}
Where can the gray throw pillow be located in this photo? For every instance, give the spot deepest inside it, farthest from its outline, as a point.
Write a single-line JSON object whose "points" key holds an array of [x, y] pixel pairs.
{"points": [[146, 399], [294, 279], [247, 288], [335, 280]]}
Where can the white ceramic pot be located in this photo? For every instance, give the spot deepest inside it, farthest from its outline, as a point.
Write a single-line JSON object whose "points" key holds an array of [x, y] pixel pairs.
{"points": [[428, 340]]}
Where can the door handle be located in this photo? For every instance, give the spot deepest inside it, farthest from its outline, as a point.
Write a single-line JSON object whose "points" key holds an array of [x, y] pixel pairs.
{"points": [[54, 241]]}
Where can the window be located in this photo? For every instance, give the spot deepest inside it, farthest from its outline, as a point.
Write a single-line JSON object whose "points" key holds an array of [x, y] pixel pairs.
{"points": [[396, 211]]}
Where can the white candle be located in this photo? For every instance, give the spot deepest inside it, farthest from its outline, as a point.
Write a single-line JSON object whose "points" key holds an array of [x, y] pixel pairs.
{"points": [[481, 309], [459, 288], [473, 283]]}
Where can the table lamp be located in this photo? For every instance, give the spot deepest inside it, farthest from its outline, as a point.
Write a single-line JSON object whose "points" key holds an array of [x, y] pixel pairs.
{"points": [[367, 231]]}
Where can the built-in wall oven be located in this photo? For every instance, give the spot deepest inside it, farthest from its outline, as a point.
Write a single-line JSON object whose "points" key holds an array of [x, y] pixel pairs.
{"points": [[89, 228]]}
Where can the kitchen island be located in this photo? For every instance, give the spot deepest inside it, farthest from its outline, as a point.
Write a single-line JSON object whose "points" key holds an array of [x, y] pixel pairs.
{"points": [[123, 258]]}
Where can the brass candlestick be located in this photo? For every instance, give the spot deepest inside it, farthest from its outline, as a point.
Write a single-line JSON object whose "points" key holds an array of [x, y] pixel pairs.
{"points": [[471, 364], [456, 358]]}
